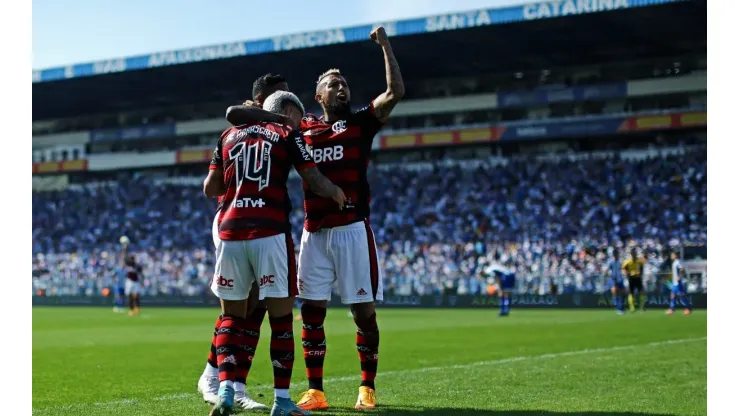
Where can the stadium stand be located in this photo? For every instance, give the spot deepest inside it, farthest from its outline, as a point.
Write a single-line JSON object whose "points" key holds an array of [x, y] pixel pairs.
{"points": [[552, 151], [439, 225]]}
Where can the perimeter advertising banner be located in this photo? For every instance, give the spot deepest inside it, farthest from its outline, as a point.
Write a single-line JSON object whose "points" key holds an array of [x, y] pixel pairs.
{"points": [[60, 167], [544, 129], [415, 26], [569, 301]]}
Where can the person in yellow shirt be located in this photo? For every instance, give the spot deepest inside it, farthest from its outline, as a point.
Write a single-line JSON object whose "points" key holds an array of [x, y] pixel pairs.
{"points": [[633, 269]]}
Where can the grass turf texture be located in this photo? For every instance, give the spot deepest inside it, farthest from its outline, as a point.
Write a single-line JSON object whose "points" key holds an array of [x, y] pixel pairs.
{"points": [[91, 361]]}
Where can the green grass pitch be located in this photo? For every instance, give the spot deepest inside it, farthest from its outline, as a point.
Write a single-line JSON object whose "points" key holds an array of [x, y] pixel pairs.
{"points": [[91, 361]]}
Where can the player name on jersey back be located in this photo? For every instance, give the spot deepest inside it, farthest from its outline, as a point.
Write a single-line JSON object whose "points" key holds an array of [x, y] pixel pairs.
{"points": [[256, 160], [341, 150], [260, 130]]}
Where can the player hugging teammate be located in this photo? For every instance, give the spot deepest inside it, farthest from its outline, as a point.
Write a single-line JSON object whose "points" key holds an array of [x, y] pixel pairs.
{"points": [[208, 383], [337, 242]]}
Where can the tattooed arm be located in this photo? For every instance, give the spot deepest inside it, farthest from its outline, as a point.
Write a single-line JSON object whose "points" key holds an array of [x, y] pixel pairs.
{"points": [[213, 185], [239, 115], [385, 102], [322, 186]]}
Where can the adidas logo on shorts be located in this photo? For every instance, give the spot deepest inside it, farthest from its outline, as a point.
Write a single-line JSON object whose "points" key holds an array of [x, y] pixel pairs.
{"points": [[361, 292]]}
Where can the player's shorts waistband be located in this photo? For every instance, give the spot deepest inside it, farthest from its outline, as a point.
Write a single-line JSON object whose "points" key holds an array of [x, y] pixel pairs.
{"points": [[271, 234], [357, 225]]}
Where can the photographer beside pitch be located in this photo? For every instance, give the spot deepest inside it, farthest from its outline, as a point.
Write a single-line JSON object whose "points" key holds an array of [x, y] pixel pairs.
{"points": [[338, 244]]}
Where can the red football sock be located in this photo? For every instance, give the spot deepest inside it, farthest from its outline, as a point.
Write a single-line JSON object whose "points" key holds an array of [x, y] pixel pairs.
{"points": [[314, 344], [212, 358], [282, 350], [368, 339], [251, 334], [228, 338]]}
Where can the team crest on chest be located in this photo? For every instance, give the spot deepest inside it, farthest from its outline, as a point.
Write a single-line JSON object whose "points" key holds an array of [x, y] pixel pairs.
{"points": [[339, 126]]}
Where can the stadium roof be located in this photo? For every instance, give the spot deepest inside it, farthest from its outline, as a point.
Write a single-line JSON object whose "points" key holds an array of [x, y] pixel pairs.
{"points": [[548, 35], [417, 26]]}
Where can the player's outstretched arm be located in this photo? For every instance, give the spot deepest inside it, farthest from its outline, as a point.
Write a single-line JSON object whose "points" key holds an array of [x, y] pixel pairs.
{"points": [[395, 90], [124, 253], [239, 115], [213, 185], [322, 186]]}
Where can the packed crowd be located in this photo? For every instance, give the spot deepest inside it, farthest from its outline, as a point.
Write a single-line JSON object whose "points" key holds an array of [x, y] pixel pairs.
{"points": [[439, 226]]}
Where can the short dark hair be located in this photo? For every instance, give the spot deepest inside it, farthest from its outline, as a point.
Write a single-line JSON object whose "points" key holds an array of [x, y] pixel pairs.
{"points": [[264, 83]]}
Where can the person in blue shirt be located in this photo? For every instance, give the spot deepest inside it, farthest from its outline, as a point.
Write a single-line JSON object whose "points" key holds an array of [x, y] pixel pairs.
{"points": [[678, 288], [506, 281], [120, 294], [616, 283]]}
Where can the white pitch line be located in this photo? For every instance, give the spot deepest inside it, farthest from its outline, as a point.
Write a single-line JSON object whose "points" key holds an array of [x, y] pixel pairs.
{"points": [[175, 396], [515, 359]]}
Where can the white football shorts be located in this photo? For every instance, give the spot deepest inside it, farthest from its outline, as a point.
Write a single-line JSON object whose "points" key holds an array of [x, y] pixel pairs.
{"points": [[345, 254], [269, 261], [132, 288], [214, 231]]}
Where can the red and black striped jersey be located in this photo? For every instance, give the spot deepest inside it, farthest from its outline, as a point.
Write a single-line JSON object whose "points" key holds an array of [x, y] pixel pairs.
{"points": [[133, 272], [256, 159], [309, 121], [342, 152]]}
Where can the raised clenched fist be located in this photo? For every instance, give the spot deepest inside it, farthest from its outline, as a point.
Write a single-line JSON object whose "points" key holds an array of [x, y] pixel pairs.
{"points": [[379, 36]]}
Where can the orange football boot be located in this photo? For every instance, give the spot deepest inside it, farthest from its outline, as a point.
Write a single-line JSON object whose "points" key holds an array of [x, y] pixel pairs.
{"points": [[312, 400], [366, 398]]}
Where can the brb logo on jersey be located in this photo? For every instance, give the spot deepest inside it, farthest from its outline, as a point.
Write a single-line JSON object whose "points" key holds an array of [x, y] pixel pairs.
{"points": [[328, 154], [267, 280], [339, 126], [223, 282]]}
